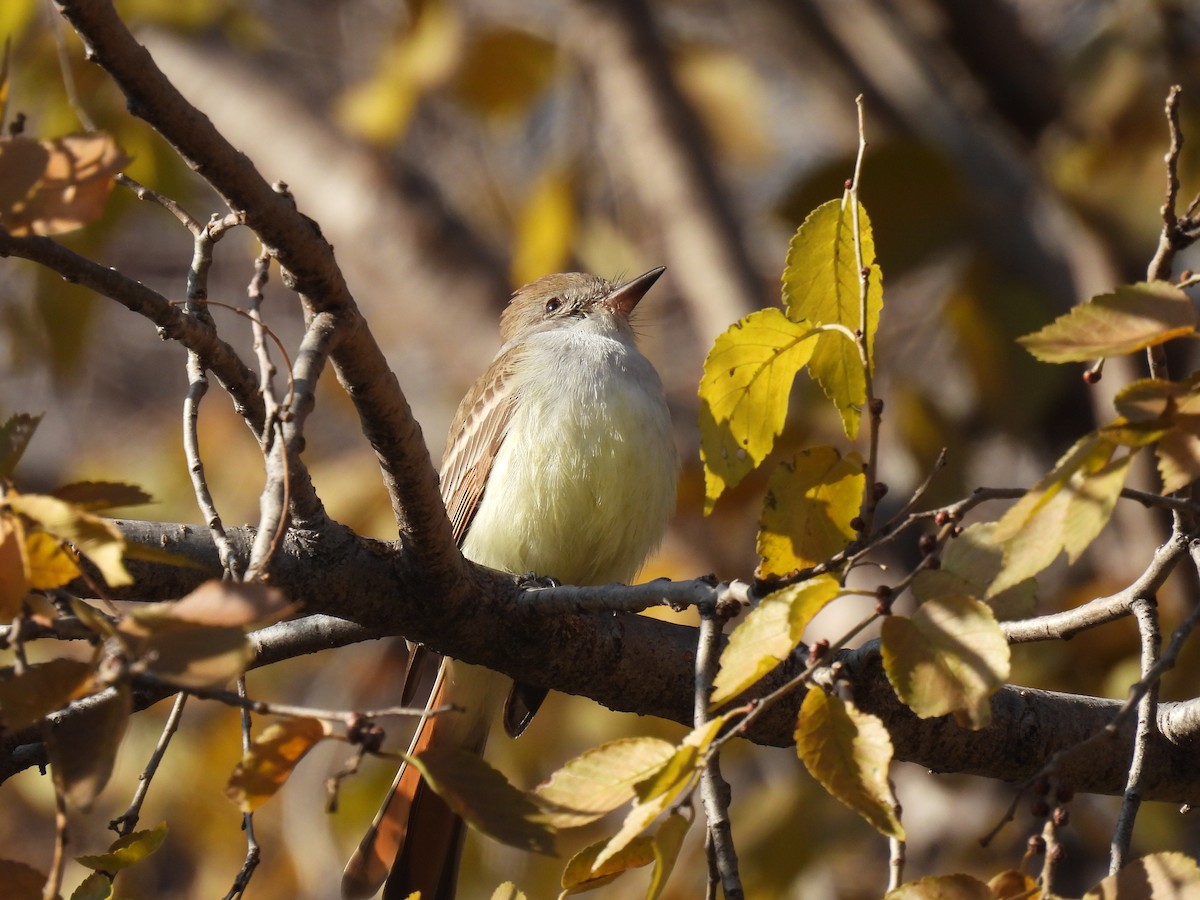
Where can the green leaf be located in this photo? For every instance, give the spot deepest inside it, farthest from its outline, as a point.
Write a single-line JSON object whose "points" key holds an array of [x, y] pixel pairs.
{"points": [[485, 799], [127, 850], [41, 689], [1159, 875], [579, 876], [744, 392], [808, 509], [1066, 510], [949, 657], [821, 286], [82, 744], [942, 887], [769, 633], [599, 780], [15, 435], [271, 759], [1131, 318], [848, 751], [970, 563]]}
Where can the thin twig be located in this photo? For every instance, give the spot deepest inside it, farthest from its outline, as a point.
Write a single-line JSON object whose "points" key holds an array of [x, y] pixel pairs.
{"points": [[266, 708], [127, 821], [253, 853], [172, 323], [197, 294], [68, 77], [863, 338], [58, 864], [714, 790], [1068, 623], [897, 856], [1170, 239], [1146, 613], [152, 196]]}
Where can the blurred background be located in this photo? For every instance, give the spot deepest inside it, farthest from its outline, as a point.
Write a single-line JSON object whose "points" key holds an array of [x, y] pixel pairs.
{"points": [[453, 150]]}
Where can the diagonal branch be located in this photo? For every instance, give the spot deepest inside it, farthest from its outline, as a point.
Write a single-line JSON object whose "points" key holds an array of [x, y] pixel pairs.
{"points": [[309, 268]]}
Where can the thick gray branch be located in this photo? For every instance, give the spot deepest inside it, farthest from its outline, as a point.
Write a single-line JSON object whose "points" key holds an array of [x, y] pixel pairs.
{"points": [[638, 664]]}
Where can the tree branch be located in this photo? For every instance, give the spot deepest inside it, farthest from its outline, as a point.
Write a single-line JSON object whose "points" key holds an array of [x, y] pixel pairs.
{"points": [[638, 664], [309, 268]]}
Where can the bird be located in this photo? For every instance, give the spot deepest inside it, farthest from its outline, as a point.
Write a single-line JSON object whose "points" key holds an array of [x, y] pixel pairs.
{"points": [[560, 463]]}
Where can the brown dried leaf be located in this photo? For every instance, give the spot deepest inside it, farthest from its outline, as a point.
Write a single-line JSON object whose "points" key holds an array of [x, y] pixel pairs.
{"points": [[40, 689], [82, 745], [50, 187]]}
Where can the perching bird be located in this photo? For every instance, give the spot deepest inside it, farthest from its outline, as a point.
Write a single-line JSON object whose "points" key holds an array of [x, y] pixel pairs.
{"points": [[561, 463]]}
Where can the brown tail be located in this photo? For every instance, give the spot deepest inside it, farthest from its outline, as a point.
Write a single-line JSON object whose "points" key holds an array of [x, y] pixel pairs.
{"points": [[415, 836]]}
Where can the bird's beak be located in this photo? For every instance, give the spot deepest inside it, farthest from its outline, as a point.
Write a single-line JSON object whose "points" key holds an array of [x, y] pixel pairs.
{"points": [[626, 296]]}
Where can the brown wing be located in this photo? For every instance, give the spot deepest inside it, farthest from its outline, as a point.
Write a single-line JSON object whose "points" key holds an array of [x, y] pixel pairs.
{"points": [[477, 432]]}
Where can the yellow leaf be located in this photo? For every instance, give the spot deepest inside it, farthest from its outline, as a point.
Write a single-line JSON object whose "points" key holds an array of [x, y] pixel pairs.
{"points": [[1131, 318], [1152, 399], [668, 841], [949, 657], [49, 565], [599, 780], [848, 751], [127, 850], [1063, 511], [546, 227], [14, 579], [821, 286], [379, 109], [579, 875], [502, 73], [1178, 454], [96, 538], [942, 887], [808, 509], [484, 798], [728, 95], [51, 187], [769, 633], [271, 760], [97, 886], [744, 393], [1013, 884], [505, 891], [659, 791], [970, 563], [1159, 876]]}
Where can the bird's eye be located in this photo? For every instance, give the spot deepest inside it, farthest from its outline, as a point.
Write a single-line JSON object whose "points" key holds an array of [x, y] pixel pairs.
{"points": [[553, 305]]}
